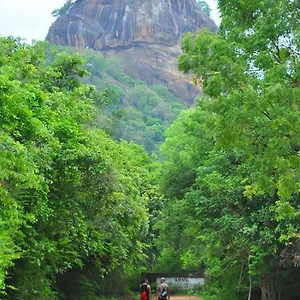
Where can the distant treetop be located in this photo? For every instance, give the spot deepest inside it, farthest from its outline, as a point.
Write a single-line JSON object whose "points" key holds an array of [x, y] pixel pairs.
{"points": [[204, 6], [61, 11]]}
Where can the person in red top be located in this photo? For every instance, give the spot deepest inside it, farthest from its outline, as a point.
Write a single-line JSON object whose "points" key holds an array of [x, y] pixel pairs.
{"points": [[145, 290]]}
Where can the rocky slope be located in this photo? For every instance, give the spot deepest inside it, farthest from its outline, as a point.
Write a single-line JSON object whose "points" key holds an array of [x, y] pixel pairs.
{"points": [[145, 33]]}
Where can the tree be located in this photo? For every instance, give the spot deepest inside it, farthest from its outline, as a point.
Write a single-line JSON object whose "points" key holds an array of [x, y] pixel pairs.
{"points": [[250, 75], [204, 6], [61, 11], [140, 113], [73, 200], [254, 84]]}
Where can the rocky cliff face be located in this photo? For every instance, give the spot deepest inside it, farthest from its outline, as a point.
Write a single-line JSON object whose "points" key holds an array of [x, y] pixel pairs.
{"points": [[145, 33]]}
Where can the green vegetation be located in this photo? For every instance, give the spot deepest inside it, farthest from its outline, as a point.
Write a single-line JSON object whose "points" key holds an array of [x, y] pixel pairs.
{"points": [[135, 112], [86, 207], [204, 6], [74, 203], [63, 10], [232, 167], [140, 113]]}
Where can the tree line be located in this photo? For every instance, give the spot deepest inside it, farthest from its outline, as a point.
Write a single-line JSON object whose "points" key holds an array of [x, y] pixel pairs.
{"points": [[84, 213], [74, 202], [232, 167]]}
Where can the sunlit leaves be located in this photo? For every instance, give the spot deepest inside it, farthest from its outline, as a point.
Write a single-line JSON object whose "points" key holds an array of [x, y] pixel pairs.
{"points": [[246, 190], [71, 197]]}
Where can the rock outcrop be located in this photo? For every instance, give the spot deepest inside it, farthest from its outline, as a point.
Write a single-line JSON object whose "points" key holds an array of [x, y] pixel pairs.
{"points": [[145, 33]]}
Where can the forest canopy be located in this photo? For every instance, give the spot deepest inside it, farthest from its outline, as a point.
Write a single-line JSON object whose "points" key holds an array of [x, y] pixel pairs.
{"points": [[231, 168], [73, 201], [85, 211]]}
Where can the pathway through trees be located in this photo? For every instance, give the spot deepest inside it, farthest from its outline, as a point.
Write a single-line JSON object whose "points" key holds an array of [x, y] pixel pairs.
{"points": [[184, 298]]}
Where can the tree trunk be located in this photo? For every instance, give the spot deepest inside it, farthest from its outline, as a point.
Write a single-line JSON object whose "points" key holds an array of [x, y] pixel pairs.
{"points": [[267, 287]]}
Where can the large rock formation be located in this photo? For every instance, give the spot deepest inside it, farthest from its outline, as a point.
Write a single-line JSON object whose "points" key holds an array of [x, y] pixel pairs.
{"points": [[145, 33]]}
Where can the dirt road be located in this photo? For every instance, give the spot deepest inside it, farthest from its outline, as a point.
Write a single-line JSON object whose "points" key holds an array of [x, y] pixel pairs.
{"points": [[184, 298]]}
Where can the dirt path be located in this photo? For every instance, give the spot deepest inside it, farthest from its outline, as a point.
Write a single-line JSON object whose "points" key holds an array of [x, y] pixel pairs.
{"points": [[184, 298]]}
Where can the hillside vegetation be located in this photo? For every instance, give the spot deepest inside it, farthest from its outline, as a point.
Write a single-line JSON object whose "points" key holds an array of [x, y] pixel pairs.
{"points": [[74, 202], [135, 111], [85, 211]]}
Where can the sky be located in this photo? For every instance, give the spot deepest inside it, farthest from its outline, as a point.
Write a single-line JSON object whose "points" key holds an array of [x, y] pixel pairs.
{"points": [[31, 19]]}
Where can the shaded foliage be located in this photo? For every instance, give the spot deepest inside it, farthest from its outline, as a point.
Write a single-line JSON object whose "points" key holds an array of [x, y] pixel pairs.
{"points": [[140, 113]]}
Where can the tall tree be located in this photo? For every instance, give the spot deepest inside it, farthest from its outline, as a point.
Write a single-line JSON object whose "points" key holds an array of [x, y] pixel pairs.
{"points": [[73, 201], [248, 187]]}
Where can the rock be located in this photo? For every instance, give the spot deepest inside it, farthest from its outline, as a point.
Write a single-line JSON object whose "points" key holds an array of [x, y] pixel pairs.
{"points": [[145, 33]]}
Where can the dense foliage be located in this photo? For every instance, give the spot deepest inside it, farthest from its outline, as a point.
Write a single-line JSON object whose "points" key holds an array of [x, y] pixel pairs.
{"points": [[135, 111], [140, 113], [80, 208], [232, 166], [73, 202]]}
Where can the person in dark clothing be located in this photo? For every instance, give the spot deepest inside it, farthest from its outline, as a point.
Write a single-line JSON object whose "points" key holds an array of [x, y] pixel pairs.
{"points": [[163, 290], [145, 290]]}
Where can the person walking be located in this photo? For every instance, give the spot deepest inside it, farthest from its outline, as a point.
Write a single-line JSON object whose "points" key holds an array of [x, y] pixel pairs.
{"points": [[163, 290], [145, 290]]}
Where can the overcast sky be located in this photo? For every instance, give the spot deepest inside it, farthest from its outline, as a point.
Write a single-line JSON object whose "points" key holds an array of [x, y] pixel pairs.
{"points": [[31, 19]]}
